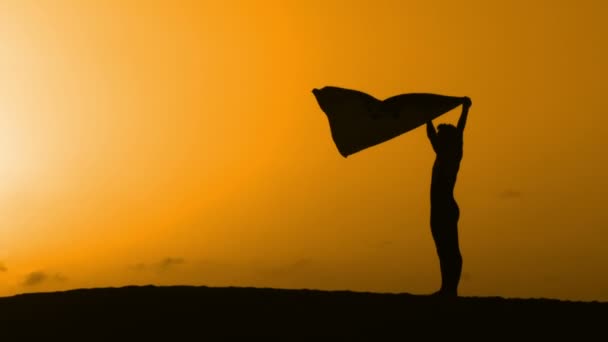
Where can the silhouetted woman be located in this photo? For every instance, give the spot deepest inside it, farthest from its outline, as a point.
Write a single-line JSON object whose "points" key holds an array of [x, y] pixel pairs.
{"points": [[447, 143]]}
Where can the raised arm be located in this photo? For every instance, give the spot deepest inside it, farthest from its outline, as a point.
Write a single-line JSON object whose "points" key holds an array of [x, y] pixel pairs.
{"points": [[463, 116], [432, 134]]}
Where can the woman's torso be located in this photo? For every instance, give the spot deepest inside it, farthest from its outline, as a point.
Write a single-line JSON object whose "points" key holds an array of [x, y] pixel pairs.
{"points": [[445, 171]]}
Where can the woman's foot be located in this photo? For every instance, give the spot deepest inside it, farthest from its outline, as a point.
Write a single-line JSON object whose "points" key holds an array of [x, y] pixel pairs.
{"points": [[445, 294]]}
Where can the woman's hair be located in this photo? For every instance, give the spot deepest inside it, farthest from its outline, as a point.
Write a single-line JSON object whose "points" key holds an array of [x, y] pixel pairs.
{"points": [[446, 129], [446, 138]]}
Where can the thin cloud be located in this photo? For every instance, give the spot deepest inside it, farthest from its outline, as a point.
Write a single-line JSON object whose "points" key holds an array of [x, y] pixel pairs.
{"points": [[510, 194], [290, 269], [163, 265], [381, 244], [138, 267], [60, 277], [169, 262], [39, 277], [35, 278]]}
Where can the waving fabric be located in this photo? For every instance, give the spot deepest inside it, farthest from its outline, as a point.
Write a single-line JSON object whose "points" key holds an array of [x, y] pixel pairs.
{"points": [[358, 120]]}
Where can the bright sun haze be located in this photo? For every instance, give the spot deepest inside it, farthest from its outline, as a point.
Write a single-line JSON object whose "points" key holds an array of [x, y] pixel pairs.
{"points": [[178, 142]]}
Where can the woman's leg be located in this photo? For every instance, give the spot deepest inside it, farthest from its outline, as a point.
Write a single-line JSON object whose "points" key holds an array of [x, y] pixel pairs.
{"points": [[444, 227], [453, 260], [441, 247]]}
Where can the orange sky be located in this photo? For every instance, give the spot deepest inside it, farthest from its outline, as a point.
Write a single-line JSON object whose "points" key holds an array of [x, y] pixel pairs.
{"points": [[178, 142]]}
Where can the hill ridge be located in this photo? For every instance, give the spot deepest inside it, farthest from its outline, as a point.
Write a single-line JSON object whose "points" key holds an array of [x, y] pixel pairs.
{"points": [[292, 313]]}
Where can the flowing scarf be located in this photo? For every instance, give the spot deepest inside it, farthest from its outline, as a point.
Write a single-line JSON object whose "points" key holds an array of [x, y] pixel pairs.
{"points": [[358, 120]]}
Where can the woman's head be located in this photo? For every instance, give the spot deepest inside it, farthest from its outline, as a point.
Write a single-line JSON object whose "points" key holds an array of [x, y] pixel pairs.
{"points": [[447, 129], [447, 137]]}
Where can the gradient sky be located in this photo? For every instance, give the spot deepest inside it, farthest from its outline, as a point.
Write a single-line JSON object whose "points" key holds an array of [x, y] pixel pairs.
{"points": [[178, 142]]}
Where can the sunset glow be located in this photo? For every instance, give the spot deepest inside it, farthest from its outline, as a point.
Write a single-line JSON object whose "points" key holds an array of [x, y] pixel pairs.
{"points": [[178, 142]]}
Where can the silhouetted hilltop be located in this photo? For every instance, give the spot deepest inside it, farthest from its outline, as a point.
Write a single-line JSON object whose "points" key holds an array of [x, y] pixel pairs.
{"points": [[208, 311]]}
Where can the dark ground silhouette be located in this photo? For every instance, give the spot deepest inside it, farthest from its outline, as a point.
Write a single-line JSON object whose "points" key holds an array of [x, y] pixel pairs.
{"points": [[193, 313]]}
